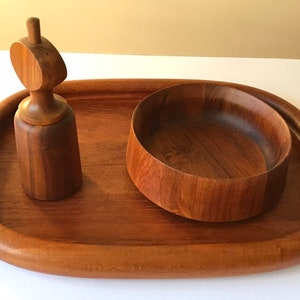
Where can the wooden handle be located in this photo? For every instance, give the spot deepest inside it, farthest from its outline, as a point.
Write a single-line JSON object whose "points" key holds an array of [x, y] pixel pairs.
{"points": [[34, 31]]}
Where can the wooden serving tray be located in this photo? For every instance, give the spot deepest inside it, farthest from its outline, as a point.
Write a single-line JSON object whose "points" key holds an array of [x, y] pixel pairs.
{"points": [[108, 229]]}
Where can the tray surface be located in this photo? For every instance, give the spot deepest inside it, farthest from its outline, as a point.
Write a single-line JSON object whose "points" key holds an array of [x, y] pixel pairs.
{"points": [[108, 229]]}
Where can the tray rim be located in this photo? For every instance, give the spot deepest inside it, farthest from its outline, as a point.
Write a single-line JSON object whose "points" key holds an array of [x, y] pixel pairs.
{"points": [[108, 261]]}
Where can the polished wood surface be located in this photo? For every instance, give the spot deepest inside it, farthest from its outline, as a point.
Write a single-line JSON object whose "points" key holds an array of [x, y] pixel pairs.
{"points": [[108, 229], [208, 152], [45, 127]]}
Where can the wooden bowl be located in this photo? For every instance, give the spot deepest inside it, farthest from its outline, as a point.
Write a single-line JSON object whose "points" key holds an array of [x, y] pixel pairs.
{"points": [[208, 152]]}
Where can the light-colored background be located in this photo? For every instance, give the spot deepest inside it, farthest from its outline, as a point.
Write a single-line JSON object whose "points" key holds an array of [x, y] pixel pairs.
{"points": [[235, 28]]}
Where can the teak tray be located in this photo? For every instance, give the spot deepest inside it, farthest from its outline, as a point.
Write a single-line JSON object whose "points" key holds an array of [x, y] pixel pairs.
{"points": [[108, 229]]}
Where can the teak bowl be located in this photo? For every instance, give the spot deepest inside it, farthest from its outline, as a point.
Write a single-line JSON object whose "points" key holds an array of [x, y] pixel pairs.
{"points": [[208, 152]]}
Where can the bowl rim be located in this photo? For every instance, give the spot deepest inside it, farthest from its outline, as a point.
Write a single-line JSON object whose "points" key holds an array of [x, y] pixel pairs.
{"points": [[283, 157]]}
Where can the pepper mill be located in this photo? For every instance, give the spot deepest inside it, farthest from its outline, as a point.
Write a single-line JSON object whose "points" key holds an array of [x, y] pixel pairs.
{"points": [[45, 128]]}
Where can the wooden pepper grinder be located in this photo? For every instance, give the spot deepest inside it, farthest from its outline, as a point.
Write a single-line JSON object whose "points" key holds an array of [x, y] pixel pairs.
{"points": [[45, 128]]}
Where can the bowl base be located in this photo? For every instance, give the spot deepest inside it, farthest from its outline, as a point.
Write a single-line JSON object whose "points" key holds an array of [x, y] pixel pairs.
{"points": [[208, 149]]}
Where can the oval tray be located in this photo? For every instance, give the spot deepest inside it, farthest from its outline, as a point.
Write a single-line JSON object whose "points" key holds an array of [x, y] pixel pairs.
{"points": [[108, 229]]}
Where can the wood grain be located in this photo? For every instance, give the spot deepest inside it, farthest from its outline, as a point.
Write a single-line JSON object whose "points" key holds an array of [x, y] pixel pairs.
{"points": [[45, 127], [208, 152], [108, 229]]}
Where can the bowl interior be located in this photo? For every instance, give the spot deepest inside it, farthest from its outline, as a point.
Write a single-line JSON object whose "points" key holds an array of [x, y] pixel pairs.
{"points": [[211, 131]]}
